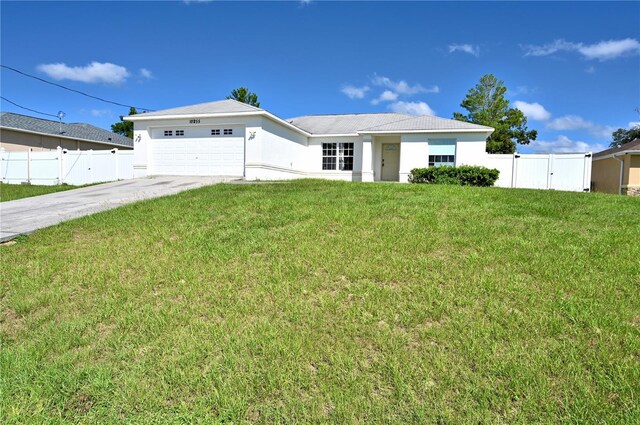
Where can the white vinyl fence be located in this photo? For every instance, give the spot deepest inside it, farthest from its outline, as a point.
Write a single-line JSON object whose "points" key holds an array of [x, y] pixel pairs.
{"points": [[559, 171], [65, 167]]}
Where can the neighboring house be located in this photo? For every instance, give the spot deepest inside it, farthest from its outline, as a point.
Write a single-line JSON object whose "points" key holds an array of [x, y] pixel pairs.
{"points": [[617, 170], [230, 138], [21, 132]]}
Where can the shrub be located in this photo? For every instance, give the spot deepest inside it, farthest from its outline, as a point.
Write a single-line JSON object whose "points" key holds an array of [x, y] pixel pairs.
{"points": [[465, 175]]}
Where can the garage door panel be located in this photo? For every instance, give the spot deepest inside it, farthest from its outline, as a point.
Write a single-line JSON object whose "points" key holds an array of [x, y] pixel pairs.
{"points": [[198, 156]]}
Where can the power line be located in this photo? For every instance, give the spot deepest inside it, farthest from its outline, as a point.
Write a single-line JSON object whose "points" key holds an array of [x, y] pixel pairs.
{"points": [[73, 90], [28, 109]]}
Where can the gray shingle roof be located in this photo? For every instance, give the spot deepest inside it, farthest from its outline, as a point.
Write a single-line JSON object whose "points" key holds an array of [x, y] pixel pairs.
{"points": [[218, 107], [633, 145], [391, 122], [426, 122], [343, 123], [73, 130]]}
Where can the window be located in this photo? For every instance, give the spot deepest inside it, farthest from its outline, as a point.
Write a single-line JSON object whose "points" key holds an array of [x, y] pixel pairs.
{"points": [[179, 132], [337, 156], [168, 133], [442, 152], [228, 131], [215, 132], [440, 160]]}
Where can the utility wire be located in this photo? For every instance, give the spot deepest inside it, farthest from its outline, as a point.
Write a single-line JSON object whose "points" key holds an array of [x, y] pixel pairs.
{"points": [[28, 109], [70, 89]]}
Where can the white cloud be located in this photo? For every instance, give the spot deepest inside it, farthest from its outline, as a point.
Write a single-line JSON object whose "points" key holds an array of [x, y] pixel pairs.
{"points": [[575, 122], [534, 111], [95, 72], [590, 69], [145, 73], [604, 50], [413, 108], [101, 112], [611, 49], [402, 87], [97, 112], [466, 48], [564, 144], [633, 124], [353, 92], [386, 96], [569, 122]]}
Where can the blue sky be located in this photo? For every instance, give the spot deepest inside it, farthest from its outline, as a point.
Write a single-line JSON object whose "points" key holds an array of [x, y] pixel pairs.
{"points": [[573, 68]]}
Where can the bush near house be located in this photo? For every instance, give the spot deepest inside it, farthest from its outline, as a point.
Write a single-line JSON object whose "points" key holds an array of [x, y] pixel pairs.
{"points": [[465, 175]]}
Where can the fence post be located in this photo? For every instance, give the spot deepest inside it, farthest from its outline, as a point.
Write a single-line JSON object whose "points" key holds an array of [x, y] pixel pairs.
{"points": [[549, 171], [91, 166], [514, 171], [59, 149], [29, 166], [115, 152]]}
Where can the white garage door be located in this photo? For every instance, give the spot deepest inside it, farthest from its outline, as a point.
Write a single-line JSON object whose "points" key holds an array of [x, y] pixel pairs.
{"points": [[198, 151]]}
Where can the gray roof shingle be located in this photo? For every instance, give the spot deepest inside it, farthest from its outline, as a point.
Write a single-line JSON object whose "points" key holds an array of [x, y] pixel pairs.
{"points": [[426, 122], [217, 107], [391, 122], [343, 123], [82, 131]]}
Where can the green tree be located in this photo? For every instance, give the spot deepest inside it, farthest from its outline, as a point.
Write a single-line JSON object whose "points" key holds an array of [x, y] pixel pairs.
{"points": [[242, 94], [124, 128], [622, 136], [488, 106]]}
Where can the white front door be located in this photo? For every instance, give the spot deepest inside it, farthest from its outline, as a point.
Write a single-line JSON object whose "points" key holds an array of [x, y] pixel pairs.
{"points": [[391, 162], [218, 155]]}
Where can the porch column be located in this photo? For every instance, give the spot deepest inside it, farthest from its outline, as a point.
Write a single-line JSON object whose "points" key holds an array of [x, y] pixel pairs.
{"points": [[367, 159]]}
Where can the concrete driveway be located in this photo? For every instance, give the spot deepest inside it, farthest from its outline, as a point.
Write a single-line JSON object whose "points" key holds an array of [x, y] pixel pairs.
{"points": [[26, 215]]}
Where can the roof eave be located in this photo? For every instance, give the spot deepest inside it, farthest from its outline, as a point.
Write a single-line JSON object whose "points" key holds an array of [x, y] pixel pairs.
{"points": [[67, 137], [458, 130], [611, 155], [141, 117]]}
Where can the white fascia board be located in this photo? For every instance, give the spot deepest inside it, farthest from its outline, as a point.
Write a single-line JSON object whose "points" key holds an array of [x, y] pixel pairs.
{"points": [[285, 123], [335, 135], [460, 130], [611, 155], [141, 117], [60, 136]]}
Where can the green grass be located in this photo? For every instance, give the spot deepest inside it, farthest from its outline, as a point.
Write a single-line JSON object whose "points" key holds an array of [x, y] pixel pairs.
{"points": [[10, 192], [328, 302]]}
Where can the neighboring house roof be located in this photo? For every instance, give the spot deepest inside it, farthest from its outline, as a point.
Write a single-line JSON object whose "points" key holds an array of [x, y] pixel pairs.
{"points": [[74, 131], [633, 146], [318, 125], [227, 106]]}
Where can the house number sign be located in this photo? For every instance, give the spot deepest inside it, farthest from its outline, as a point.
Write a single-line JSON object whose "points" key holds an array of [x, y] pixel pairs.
{"points": [[194, 121]]}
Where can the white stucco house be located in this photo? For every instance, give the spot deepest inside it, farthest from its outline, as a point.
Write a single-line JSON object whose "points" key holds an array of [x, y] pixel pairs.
{"points": [[230, 138]]}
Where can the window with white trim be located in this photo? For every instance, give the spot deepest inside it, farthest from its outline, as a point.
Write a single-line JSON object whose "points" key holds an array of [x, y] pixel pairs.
{"points": [[168, 133], [337, 156], [215, 132], [440, 160], [228, 131], [179, 132]]}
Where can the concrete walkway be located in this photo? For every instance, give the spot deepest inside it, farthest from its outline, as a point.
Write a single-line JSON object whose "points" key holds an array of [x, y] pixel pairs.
{"points": [[26, 215]]}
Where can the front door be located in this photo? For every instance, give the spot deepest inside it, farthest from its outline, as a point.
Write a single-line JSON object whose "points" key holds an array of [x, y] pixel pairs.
{"points": [[391, 162]]}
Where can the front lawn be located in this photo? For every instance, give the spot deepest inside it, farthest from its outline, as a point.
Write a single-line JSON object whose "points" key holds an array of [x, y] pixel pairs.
{"points": [[331, 302], [10, 192]]}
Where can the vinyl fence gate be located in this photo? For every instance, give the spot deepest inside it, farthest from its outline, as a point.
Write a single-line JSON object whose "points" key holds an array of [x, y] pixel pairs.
{"points": [[560, 171], [64, 166]]}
